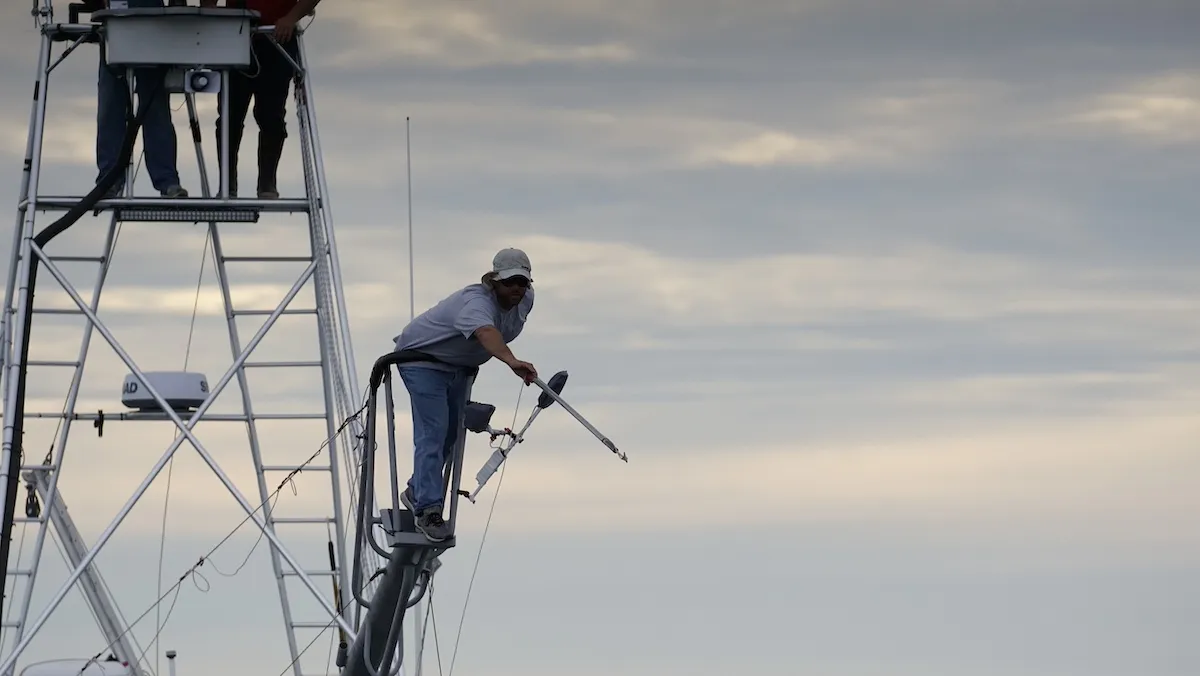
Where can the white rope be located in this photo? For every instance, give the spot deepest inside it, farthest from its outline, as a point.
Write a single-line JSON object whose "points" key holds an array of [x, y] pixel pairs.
{"points": [[462, 618]]}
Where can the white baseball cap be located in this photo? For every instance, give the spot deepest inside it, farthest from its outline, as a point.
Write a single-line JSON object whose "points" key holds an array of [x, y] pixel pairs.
{"points": [[512, 263]]}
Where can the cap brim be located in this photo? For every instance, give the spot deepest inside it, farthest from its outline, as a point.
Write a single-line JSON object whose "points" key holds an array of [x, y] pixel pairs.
{"points": [[514, 272]]}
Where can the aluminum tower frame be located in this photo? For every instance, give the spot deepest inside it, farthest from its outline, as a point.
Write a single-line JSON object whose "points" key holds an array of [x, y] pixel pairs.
{"points": [[336, 358]]}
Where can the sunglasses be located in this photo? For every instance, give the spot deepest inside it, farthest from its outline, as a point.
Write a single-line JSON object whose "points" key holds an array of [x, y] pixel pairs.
{"points": [[515, 281]]}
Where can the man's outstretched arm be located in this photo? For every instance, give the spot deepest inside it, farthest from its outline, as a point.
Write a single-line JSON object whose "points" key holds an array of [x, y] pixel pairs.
{"points": [[491, 340]]}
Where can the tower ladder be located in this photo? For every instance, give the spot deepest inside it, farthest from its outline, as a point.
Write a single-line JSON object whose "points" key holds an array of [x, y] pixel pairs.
{"points": [[129, 37]]}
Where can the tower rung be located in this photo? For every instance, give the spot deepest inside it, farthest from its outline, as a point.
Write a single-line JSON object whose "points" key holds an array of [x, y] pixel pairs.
{"points": [[279, 364], [28, 519], [268, 259], [23, 571], [77, 259], [10, 625], [205, 203], [239, 313], [51, 363], [38, 468], [56, 311], [302, 519], [210, 417], [294, 468], [63, 32], [311, 625], [311, 573]]}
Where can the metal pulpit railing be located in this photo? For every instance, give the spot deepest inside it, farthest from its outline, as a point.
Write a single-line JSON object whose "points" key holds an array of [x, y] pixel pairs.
{"points": [[412, 558]]}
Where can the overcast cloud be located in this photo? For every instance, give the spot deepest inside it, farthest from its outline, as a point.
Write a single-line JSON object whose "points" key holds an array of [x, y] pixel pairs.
{"points": [[893, 306]]}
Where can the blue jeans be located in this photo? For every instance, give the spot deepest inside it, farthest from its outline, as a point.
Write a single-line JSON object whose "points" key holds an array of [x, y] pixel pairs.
{"points": [[438, 401], [158, 131]]}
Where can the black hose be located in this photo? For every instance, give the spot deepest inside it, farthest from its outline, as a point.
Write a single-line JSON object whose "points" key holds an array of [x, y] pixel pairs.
{"points": [[88, 202]]}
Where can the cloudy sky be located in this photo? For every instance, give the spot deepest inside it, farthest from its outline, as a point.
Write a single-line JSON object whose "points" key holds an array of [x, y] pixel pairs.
{"points": [[893, 306]]}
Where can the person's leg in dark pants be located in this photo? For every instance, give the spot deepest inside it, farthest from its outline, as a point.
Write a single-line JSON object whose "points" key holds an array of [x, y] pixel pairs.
{"points": [[158, 131], [270, 109], [159, 143], [112, 103]]}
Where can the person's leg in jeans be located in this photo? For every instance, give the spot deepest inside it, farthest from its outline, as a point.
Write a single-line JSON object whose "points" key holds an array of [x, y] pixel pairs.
{"points": [[428, 391], [270, 110], [158, 135], [112, 100], [241, 88]]}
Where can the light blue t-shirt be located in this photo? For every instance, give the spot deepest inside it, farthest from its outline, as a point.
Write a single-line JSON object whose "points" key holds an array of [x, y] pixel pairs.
{"points": [[446, 331]]}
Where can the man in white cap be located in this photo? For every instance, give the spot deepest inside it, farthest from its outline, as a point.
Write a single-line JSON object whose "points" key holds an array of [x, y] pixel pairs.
{"points": [[454, 337]]}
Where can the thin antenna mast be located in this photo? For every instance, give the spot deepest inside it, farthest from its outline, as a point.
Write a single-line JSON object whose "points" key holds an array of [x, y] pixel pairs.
{"points": [[412, 292], [418, 629]]}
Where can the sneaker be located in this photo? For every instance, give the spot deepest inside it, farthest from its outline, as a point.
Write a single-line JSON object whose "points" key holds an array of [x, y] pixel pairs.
{"points": [[113, 191], [268, 194], [174, 191], [432, 526], [406, 499]]}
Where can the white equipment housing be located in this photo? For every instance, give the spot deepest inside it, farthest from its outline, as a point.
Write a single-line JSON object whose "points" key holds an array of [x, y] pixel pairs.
{"points": [[182, 390], [177, 36]]}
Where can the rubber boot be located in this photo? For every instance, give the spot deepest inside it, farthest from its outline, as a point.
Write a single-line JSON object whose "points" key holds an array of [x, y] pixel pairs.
{"points": [[270, 149]]}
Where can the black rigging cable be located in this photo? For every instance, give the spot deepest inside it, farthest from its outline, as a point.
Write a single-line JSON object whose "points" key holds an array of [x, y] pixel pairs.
{"points": [[300, 654], [436, 642], [483, 539], [194, 570]]}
